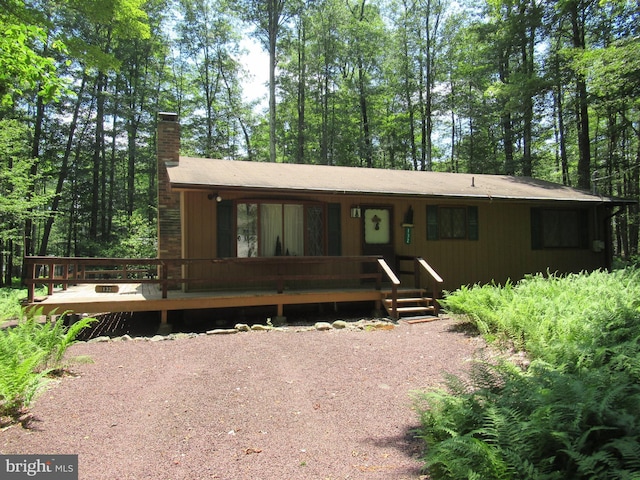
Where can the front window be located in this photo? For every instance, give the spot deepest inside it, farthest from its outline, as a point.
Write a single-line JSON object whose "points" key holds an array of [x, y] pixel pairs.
{"points": [[452, 222], [247, 224], [272, 229], [559, 228]]}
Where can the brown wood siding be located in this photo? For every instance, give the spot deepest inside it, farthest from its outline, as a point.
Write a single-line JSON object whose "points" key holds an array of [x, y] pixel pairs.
{"points": [[200, 231], [502, 251]]}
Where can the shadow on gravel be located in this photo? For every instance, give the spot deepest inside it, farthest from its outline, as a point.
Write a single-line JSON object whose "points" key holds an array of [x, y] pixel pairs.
{"points": [[466, 328], [407, 443]]}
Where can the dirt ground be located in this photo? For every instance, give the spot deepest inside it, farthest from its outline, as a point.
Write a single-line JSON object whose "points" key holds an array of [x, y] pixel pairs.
{"points": [[281, 404]]}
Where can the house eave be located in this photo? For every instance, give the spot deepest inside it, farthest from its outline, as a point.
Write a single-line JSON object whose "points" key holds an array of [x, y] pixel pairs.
{"points": [[261, 191]]}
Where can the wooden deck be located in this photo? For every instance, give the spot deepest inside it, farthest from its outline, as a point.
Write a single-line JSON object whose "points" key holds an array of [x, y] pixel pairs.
{"points": [[136, 297], [108, 285]]}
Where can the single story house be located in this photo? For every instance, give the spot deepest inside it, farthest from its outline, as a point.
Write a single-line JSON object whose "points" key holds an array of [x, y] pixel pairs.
{"points": [[470, 228], [238, 234]]}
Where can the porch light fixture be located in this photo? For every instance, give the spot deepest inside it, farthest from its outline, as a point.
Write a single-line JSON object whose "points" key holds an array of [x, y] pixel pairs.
{"points": [[217, 196], [355, 212]]}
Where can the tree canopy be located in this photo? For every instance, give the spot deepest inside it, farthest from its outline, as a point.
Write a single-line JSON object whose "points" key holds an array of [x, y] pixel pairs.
{"points": [[518, 87]]}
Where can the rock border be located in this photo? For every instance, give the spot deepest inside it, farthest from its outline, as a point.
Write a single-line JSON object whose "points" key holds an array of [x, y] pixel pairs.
{"points": [[362, 324]]}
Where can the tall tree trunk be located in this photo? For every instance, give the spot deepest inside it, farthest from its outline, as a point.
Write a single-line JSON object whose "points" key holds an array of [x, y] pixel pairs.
{"points": [[431, 29], [110, 193], [527, 49], [63, 173], [453, 167], [422, 86], [274, 12], [324, 129], [364, 113], [561, 136], [582, 108], [7, 276], [302, 74], [8, 279], [132, 137], [507, 125], [29, 240], [98, 150]]}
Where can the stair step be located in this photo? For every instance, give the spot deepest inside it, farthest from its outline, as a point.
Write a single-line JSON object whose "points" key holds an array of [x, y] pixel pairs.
{"points": [[410, 300], [415, 309], [407, 292]]}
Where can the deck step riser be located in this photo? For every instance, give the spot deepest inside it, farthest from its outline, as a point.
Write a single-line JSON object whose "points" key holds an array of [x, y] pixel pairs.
{"points": [[410, 305], [420, 301]]}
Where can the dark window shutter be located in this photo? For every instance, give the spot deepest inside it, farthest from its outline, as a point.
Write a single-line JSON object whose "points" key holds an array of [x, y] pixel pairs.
{"points": [[226, 235], [334, 231], [536, 229], [472, 223], [432, 222]]}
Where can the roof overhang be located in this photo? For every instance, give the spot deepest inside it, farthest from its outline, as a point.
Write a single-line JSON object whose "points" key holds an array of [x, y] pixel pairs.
{"points": [[283, 178]]}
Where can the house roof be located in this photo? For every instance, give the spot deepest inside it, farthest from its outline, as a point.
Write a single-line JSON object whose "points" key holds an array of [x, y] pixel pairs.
{"points": [[204, 173]]}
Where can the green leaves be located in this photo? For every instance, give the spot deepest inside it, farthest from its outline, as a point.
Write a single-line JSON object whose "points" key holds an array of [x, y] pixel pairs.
{"points": [[23, 66], [28, 352], [575, 413]]}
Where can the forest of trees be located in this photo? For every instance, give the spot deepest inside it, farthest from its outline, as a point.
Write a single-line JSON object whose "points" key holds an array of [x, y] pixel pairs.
{"points": [[549, 89]]}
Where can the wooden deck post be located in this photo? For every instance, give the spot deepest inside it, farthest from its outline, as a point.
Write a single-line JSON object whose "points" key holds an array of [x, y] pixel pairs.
{"points": [[165, 326], [65, 276], [52, 274], [164, 276], [31, 292]]}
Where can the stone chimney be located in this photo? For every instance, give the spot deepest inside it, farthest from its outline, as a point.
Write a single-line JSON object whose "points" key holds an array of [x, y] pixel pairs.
{"points": [[169, 224]]}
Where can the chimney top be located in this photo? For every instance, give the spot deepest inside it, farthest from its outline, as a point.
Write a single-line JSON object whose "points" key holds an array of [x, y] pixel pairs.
{"points": [[168, 116]]}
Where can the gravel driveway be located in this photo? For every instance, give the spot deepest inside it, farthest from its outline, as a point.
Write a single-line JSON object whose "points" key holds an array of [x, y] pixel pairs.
{"points": [[252, 405]]}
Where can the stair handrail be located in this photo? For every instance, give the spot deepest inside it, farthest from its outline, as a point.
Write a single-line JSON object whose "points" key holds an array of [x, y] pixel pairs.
{"points": [[436, 280], [395, 281]]}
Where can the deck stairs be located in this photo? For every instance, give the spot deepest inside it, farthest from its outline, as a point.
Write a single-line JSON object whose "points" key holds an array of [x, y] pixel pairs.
{"points": [[411, 303]]}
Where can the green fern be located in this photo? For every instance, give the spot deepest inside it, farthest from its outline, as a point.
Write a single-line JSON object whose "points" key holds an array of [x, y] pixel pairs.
{"points": [[18, 382], [544, 424], [29, 351]]}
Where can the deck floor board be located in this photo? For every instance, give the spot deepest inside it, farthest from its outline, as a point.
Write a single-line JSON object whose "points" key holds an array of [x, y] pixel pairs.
{"points": [[136, 297]]}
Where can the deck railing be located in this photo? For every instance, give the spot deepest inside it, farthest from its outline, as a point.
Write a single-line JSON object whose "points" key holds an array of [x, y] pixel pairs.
{"points": [[275, 271]]}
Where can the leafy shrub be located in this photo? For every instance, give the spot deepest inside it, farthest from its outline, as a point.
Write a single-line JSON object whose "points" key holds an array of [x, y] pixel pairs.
{"points": [[560, 320], [575, 413], [542, 424], [29, 351]]}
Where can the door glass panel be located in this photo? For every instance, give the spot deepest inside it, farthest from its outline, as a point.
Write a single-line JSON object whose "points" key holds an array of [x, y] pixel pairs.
{"points": [[377, 226]]}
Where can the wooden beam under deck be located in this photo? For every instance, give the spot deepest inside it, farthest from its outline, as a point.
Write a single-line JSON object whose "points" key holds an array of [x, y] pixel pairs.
{"points": [[148, 298]]}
